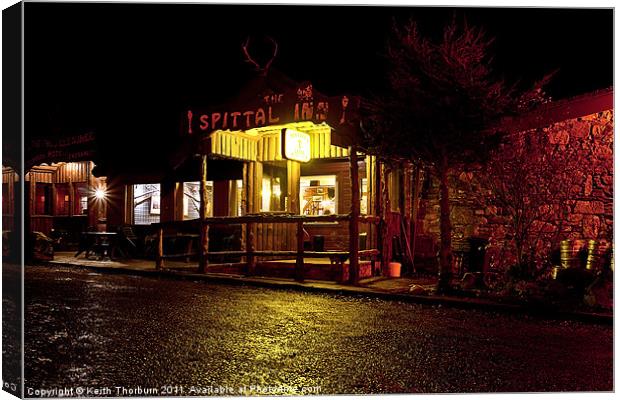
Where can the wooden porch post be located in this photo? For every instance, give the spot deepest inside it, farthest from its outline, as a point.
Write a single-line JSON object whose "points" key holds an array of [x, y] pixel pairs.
{"points": [[71, 197], [31, 203], [168, 203], [53, 207], [250, 201], [299, 262], [159, 260], [249, 248], [379, 212], [92, 202], [204, 228], [414, 211], [293, 176], [386, 241], [178, 201], [354, 217]]}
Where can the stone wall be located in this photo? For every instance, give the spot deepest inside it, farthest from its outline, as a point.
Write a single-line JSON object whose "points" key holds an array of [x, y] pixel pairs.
{"points": [[584, 211]]}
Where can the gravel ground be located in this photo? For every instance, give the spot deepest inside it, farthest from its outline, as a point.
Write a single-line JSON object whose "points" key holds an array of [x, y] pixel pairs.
{"points": [[89, 331]]}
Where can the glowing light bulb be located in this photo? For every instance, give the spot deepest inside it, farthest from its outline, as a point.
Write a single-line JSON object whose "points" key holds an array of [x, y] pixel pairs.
{"points": [[100, 194]]}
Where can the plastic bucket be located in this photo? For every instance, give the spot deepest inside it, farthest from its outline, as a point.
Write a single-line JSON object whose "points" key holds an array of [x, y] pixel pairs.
{"points": [[394, 270]]}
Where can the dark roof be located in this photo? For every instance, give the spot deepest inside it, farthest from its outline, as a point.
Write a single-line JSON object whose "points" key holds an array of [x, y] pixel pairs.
{"points": [[561, 110]]}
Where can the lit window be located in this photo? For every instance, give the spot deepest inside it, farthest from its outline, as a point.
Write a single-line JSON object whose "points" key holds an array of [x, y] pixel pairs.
{"points": [[84, 205], [273, 188], [318, 195], [146, 204], [191, 200], [81, 193], [239, 197], [271, 194]]}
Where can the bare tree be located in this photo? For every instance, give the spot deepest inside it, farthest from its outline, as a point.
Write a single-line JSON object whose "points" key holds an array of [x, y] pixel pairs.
{"points": [[444, 102]]}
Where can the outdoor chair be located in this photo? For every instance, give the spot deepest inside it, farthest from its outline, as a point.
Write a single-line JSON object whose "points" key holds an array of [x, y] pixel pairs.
{"points": [[128, 242]]}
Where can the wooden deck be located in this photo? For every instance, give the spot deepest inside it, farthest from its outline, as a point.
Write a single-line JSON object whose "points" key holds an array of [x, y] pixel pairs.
{"points": [[316, 268]]}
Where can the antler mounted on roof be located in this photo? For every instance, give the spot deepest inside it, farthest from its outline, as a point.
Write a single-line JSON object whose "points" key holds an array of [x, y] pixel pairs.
{"points": [[248, 58]]}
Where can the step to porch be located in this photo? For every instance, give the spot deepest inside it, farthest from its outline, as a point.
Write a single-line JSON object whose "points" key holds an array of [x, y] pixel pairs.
{"points": [[315, 269]]}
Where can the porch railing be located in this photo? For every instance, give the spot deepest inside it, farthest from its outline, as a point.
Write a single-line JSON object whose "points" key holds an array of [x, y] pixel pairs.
{"points": [[250, 253]]}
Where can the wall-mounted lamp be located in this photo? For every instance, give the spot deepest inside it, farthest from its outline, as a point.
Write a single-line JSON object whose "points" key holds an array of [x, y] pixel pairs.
{"points": [[99, 194]]}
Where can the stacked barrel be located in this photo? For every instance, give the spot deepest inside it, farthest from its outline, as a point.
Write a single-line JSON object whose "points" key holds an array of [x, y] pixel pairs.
{"points": [[570, 251], [588, 254]]}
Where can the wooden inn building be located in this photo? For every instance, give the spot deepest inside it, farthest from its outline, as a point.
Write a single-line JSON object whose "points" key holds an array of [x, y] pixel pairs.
{"points": [[272, 183]]}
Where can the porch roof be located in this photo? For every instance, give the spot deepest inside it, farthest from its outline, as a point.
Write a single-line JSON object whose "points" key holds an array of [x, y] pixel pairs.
{"points": [[264, 143]]}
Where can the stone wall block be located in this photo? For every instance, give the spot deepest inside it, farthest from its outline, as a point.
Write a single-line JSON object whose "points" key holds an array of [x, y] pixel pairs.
{"points": [[491, 210], [589, 207], [559, 137], [607, 180], [591, 226], [575, 219], [587, 187]]}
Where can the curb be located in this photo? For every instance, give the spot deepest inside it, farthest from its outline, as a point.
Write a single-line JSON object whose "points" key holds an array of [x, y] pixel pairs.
{"points": [[453, 302]]}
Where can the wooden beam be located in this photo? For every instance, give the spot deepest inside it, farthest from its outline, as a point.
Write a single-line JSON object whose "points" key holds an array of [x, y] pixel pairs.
{"points": [[168, 203], [220, 198], [178, 201], [354, 220], [299, 261], [127, 207], [71, 198], [53, 204], [414, 211], [232, 198], [293, 177], [369, 200], [249, 248], [293, 171], [159, 260], [204, 227], [257, 185], [284, 253], [384, 206], [31, 202], [274, 218], [269, 218], [91, 203]]}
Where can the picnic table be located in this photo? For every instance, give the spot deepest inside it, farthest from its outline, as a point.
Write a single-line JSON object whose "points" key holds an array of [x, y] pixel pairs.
{"points": [[99, 243]]}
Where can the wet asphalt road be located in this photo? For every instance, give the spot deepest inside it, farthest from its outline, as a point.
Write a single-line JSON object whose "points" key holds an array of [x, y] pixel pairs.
{"points": [[85, 329]]}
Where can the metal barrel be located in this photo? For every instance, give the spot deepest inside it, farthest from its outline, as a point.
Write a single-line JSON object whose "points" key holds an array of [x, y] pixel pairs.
{"points": [[569, 253], [593, 262]]}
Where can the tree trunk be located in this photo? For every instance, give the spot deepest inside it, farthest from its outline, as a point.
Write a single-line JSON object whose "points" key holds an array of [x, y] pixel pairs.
{"points": [[445, 252], [354, 272], [203, 260], [519, 251]]}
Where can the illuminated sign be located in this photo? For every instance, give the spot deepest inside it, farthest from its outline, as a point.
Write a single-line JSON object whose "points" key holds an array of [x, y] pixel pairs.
{"points": [[295, 145], [292, 104]]}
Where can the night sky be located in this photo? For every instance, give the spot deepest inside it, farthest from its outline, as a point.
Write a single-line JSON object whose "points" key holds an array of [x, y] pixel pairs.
{"points": [[129, 67]]}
